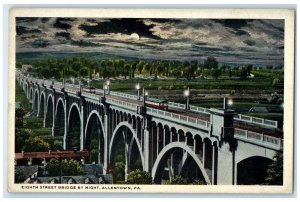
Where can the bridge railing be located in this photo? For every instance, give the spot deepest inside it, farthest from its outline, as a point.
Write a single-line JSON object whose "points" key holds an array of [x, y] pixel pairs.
{"points": [[176, 105], [199, 109], [256, 120], [178, 118], [122, 103], [125, 95], [258, 138], [90, 95]]}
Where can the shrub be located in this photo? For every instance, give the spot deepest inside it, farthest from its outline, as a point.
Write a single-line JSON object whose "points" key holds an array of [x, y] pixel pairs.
{"points": [[139, 177]]}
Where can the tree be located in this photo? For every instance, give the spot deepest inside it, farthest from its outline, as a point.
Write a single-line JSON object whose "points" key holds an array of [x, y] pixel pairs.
{"points": [[20, 112], [21, 136], [35, 144], [210, 63], [243, 73], [275, 170], [140, 66], [275, 82], [126, 71], [139, 177], [84, 72], [69, 167], [215, 73], [178, 180]]}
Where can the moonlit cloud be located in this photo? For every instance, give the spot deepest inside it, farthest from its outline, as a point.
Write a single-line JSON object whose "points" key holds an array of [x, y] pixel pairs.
{"points": [[231, 41]]}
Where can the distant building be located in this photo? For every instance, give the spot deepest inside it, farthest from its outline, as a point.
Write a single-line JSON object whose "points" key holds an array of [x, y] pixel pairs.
{"points": [[259, 109], [34, 174], [26, 68], [80, 179]]}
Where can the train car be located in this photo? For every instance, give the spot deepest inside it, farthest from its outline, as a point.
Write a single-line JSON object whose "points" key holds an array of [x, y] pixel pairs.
{"points": [[88, 89], [156, 103]]}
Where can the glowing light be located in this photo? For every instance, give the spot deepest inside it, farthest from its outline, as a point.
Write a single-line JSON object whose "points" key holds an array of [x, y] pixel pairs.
{"points": [[138, 86], [146, 93], [108, 82], [105, 87], [186, 93], [230, 102]]}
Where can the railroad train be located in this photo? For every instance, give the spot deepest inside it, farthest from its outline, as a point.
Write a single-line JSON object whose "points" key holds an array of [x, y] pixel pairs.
{"points": [[156, 103], [88, 89]]}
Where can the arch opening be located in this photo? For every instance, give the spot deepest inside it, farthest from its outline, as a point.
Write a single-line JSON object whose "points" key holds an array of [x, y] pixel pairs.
{"points": [[177, 161], [73, 137], [42, 106], [35, 103], [59, 129], [49, 113], [94, 141], [252, 170], [125, 153]]}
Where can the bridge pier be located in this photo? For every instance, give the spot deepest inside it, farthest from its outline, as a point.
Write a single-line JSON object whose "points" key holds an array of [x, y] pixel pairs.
{"points": [[82, 137], [106, 142]]}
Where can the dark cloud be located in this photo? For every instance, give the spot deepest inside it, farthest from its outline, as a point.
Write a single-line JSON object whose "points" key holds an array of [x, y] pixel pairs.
{"points": [[60, 23], [65, 35], [271, 25], [249, 42], [83, 43], [165, 20], [241, 33], [25, 19], [44, 20], [24, 30], [234, 23], [40, 43], [124, 26]]}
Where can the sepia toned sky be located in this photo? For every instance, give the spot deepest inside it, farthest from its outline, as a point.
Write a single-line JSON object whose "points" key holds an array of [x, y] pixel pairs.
{"points": [[229, 40]]}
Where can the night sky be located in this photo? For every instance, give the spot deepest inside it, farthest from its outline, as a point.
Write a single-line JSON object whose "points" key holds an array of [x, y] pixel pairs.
{"points": [[229, 40]]}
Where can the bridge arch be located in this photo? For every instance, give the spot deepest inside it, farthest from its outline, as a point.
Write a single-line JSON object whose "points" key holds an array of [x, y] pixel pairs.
{"points": [[94, 123], [158, 166], [121, 126], [35, 102], [31, 94], [42, 105], [60, 114], [49, 111], [73, 138]]}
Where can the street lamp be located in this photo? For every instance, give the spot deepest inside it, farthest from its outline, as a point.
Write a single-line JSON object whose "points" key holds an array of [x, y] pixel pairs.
{"points": [[107, 86], [187, 95], [104, 89], [230, 102], [88, 80], [138, 90]]}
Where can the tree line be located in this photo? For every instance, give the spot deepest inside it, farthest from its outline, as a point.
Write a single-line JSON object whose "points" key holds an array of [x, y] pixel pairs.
{"points": [[111, 68]]}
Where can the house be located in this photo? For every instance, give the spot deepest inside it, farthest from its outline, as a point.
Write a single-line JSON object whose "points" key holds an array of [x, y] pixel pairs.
{"points": [[259, 109], [26, 68]]}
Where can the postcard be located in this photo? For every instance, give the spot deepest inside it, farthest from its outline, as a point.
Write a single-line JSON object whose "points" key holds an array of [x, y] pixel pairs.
{"points": [[151, 100]]}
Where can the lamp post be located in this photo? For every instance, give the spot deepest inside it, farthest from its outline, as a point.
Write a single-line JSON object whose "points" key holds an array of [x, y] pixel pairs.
{"points": [[88, 80], [138, 90], [107, 84], [104, 89], [187, 95]]}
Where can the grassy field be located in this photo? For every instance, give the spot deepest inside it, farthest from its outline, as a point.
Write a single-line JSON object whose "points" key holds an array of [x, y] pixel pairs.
{"points": [[180, 84]]}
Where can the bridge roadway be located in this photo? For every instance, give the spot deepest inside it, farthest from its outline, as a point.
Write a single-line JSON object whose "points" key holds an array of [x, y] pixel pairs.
{"points": [[205, 117]]}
